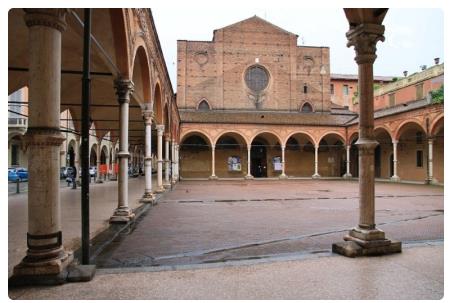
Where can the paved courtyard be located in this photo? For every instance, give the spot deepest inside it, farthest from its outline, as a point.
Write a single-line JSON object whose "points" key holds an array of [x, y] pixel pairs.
{"points": [[209, 222], [250, 240]]}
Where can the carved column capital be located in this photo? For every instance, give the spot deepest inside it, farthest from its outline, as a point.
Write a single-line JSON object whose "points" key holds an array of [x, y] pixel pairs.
{"points": [[160, 129], [50, 17], [124, 89], [364, 38], [147, 115]]}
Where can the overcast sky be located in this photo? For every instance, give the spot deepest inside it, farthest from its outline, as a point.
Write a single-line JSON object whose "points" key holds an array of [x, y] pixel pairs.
{"points": [[414, 37]]}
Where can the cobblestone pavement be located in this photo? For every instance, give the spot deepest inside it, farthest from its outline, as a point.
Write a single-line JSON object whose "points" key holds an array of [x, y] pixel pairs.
{"points": [[416, 273], [242, 220]]}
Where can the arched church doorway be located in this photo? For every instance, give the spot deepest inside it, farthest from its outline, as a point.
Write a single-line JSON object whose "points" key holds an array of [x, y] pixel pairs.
{"points": [[258, 156]]}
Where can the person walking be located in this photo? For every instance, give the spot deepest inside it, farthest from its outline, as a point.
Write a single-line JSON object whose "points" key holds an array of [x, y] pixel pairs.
{"points": [[74, 177]]}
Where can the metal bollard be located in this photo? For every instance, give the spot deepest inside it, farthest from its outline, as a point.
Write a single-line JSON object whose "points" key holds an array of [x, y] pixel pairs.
{"points": [[17, 186]]}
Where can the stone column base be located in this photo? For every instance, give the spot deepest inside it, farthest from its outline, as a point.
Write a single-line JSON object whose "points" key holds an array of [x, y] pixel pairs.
{"points": [[122, 215], [98, 181], [174, 182], [361, 242], [395, 179], [166, 185], [249, 177], [113, 178], [347, 176], [214, 177], [148, 198], [48, 272], [316, 176], [283, 176], [160, 189]]}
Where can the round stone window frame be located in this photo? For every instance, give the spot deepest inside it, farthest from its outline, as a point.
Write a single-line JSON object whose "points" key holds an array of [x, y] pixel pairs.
{"points": [[247, 70]]}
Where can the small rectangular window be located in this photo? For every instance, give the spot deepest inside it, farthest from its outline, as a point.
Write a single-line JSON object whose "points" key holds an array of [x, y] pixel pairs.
{"points": [[305, 89], [419, 91], [392, 99], [345, 90], [419, 158], [332, 89], [419, 138]]}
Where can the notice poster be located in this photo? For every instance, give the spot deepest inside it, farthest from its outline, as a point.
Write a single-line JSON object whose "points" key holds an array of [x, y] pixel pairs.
{"points": [[234, 163], [277, 163]]}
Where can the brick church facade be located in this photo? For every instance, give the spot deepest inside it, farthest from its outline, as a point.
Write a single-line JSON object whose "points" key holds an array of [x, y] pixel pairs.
{"points": [[253, 103]]}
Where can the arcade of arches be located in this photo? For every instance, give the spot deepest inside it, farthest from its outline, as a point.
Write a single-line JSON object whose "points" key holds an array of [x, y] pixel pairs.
{"points": [[133, 109]]}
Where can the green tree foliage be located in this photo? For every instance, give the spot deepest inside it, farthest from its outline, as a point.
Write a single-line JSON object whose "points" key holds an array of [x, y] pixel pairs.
{"points": [[437, 96]]}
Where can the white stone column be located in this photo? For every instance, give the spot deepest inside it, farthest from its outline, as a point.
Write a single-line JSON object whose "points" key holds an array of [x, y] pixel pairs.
{"points": [[430, 161], [46, 259], [98, 177], [249, 175], [177, 163], [213, 162], [148, 196], [123, 213], [283, 163], [316, 162], [77, 158], [174, 162], [160, 132], [395, 176], [347, 173], [167, 162], [113, 163]]}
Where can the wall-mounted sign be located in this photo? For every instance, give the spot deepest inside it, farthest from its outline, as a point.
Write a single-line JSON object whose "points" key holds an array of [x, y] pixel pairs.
{"points": [[277, 165], [234, 163]]}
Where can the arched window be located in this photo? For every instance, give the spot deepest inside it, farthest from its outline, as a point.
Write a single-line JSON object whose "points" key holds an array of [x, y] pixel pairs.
{"points": [[203, 105], [307, 108], [305, 88]]}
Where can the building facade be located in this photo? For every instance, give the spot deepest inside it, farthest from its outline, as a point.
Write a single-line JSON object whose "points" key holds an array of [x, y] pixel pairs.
{"points": [[255, 104]]}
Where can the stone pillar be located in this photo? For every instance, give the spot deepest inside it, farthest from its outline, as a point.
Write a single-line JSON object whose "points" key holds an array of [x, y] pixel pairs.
{"points": [[113, 163], [249, 175], [46, 259], [98, 177], [77, 159], [316, 162], [395, 177], [160, 132], [148, 196], [177, 161], [430, 162], [123, 213], [347, 173], [174, 162], [167, 162], [366, 239], [283, 163], [213, 164]]}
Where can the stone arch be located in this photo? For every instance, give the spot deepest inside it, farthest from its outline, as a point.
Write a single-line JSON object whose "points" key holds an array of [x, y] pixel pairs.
{"points": [[307, 107], [383, 152], [234, 132], [120, 36], [436, 125], [305, 133], [231, 155], [93, 155], [262, 132], [384, 128], [203, 104], [339, 135], [299, 154], [404, 125], [196, 158], [199, 133], [157, 103], [141, 74]]}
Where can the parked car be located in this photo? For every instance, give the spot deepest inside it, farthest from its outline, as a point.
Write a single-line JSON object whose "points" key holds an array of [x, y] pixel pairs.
{"points": [[92, 171], [22, 173], [12, 175], [62, 171]]}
